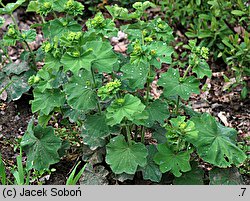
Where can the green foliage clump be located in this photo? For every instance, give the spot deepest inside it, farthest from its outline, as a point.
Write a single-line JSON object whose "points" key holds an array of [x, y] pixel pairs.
{"points": [[108, 95]]}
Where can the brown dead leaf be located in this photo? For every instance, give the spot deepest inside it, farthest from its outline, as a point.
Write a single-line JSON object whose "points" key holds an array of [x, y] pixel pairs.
{"points": [[223, 118], [4, 95], [120, 47]]}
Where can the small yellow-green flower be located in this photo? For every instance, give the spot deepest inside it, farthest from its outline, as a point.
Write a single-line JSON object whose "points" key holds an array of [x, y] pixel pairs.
{"points": [[46, 46], [148, 39], [76, 53], [11, 31], [47, 5], [120, 101]]}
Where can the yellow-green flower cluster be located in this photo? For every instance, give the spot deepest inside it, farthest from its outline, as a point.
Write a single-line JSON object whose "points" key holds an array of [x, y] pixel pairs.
{"points": [[34, 79], [109, 90], [137, 47], [46, 46], [12, 31], [52, 47], [160, 25], [74, 36], [74, 8], [97, 21], [45, 8], [204, 52]]}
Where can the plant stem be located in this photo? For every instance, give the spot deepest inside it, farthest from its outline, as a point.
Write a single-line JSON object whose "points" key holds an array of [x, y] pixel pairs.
{"points": [[177, 105], [128, 134], [32, 55], [136, 130], [142, 134], [93, 77], [178, 144], [54, 15], [147, 93], [2, 90], [186, 71], [25, 42], [142, 38], [14, 21], [43, 20], [94, 82], [148, 87]]}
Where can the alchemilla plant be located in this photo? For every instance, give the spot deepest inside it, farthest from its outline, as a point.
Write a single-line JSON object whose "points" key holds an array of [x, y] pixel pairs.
{"points": [[108, 95]]}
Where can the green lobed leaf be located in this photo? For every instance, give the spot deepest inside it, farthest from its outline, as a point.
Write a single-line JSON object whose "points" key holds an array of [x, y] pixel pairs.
{"points": [[104, 56], [73, 114], [29, 35], [94, 175], [44, 119], [161, 30], [168, 160], [52, 62], [50, 79], [46, 101], [9, 41], [216, 143], [151, 171], [10, 7], [228, 176], [202, 69], [19, 85], [93, 157], [59, 5], [103, 26], [135, 74], [41, 146], [80, 95], [140, 118], [96, 125], [123, 157], [74, 64], [16, 68], [92, 141], [95, 130], [56, 79], [58, 27], [117, 112], [193, 177], [33, 6], [173, 85], [163, 54], [181, 129], [159, 134], [158, 111]]}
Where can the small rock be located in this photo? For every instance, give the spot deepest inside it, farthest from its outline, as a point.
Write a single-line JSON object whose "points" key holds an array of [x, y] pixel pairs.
{"points": [[16, 118]]}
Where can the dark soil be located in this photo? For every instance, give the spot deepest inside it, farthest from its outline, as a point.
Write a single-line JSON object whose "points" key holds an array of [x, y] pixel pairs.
{"points": [[14, 118]]}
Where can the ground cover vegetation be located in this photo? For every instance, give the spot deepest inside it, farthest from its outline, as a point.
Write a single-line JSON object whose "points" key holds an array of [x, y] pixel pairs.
{"points": [[88, 97]]}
